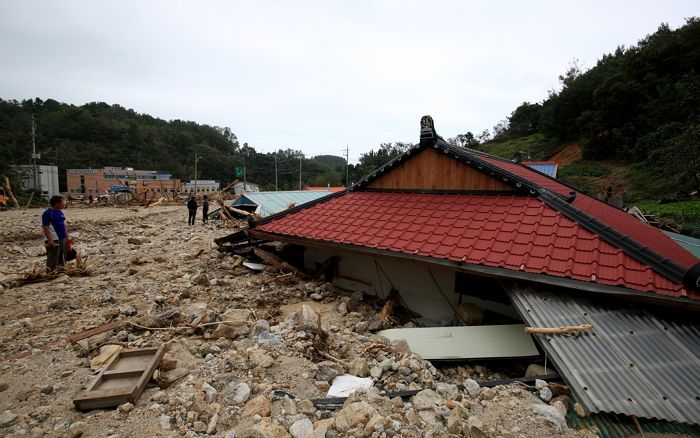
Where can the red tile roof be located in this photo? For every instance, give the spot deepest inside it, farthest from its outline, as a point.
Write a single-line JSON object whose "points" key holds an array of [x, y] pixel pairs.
{"points": [[511, 232], [613, 217]]}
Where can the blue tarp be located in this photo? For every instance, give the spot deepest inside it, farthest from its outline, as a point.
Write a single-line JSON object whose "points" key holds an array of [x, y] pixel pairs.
{"points": [[269, 203], [549, 169]]}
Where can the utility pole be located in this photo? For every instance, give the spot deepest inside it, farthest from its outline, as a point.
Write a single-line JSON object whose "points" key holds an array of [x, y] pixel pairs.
{"points": [[347, 166], [300, 157], [276, 186], [35, 156], [245, 185]]}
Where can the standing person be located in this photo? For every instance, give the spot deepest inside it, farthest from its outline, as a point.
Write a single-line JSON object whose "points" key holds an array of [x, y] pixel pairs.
{"points": [[205, 209], [192, 208], [54, 225]]}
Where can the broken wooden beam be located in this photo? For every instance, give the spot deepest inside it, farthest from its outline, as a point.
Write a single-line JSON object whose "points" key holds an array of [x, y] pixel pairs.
{"points": [[275, 261], [558, 330]]}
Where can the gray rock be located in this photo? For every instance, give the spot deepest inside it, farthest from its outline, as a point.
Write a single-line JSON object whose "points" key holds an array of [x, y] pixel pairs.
{"points": [[210, 392], [306, 318], [551, 415], [487, 393], [260, 359], [301, 428], [316, 297], [472, 387], [375, 372], [126, 408], [426, 399], [546, 394], [241, 394], [164, 421], [447, 390], [260, 326], [201, 279], [128, 311], [327, 371], [7, 418], [539, 384], [283, 406], [359, 367]]}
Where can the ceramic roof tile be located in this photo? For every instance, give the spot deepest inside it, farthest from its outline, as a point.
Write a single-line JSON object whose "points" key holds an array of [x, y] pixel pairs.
{"points": [[525, 233]]}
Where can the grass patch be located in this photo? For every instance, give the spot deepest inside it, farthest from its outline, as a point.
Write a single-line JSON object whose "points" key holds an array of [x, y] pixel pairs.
{"points": [[686, 214], [583, 168], [537, 146]]}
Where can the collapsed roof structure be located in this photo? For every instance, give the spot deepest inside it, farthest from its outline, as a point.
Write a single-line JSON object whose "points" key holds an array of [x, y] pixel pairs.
{"points": [[470, 226]]}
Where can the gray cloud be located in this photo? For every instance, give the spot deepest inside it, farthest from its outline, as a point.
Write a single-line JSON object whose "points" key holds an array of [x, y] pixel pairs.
{"points": [[313, 75]]}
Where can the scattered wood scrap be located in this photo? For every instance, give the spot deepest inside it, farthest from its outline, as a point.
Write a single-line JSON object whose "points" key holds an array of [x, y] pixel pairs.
{"points": [[121, 380], [8, 192], [563, 330], [38, 275]]}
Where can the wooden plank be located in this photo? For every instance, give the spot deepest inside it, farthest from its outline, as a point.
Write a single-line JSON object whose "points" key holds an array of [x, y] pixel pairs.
{"points": [[95, 331], [121, 380]]}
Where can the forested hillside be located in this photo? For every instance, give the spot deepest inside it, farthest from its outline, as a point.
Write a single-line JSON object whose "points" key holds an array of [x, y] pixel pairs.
{"points": [[99, 134], [638, 108]]}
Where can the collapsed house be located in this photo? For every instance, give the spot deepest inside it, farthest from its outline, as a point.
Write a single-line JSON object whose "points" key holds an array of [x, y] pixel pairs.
{"points": [[460, 237]]}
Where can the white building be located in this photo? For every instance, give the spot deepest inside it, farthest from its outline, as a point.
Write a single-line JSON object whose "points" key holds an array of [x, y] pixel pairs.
{"points": [[45, 179], [238, 188], [204, 187]]}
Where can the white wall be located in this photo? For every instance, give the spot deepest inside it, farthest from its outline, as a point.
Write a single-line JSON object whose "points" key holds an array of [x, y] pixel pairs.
{"points": [[424, 294], [412, 279]]}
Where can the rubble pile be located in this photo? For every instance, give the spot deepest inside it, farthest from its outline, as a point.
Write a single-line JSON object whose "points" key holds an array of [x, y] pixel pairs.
{"points": [[249, 353]]}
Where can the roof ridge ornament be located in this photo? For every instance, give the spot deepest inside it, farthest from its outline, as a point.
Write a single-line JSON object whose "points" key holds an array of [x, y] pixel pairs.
{"points": [[428, 136]]}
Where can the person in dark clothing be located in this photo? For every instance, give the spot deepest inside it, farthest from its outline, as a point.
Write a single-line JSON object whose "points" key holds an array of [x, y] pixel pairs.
{"points": [[53, 224], [192, 208], [205, 209]]}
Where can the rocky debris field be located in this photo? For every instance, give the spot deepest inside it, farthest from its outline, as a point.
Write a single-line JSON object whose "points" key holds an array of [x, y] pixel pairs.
{"points": [[256, 347]]}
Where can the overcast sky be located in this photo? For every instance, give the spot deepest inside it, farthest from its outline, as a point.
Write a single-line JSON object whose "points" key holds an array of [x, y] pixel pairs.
{"points": [[314, 75]]}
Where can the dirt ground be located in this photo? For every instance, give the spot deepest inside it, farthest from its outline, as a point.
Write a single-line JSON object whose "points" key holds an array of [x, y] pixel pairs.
{"points": [[146, 263]]}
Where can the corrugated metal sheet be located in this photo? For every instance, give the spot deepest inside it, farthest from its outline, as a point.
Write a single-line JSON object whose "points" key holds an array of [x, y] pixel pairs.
{"points": [[549, 169], [274, 202], [633, 362], [618, 426], [690, 243]]}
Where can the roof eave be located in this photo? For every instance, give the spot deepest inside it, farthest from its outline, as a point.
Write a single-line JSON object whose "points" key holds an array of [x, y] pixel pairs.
{"points": [[619, 291]]}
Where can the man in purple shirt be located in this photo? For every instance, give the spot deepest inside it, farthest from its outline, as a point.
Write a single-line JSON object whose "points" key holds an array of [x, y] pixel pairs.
{"points": [[54, 226]]}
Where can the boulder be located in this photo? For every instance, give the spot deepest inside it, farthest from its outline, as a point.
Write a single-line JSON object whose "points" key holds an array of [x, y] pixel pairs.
{"points": [[306, 318], [260, 405], [472, 387], [260, 359], [359, 367], [354, 415], [231, 330], [447, 390], [7, 419], [241, 394], [301, 429], [426, 399]]}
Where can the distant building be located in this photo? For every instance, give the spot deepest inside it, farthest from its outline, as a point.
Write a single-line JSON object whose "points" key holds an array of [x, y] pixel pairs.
{"points": [[119, 179], [249, 187], [45, 180], [203, 187]]}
